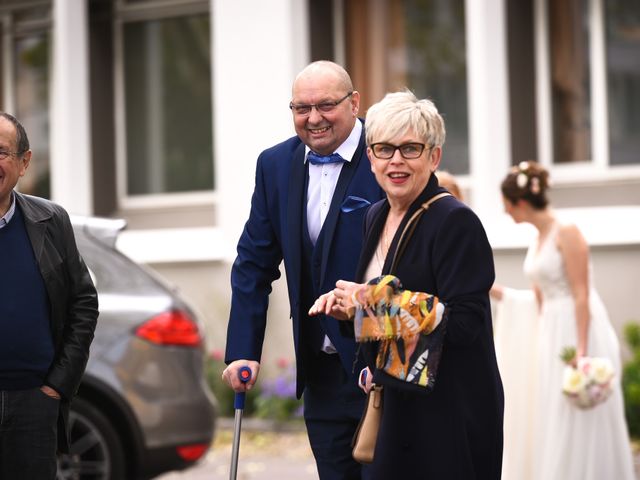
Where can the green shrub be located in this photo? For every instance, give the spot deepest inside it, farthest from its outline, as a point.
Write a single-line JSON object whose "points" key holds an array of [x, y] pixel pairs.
{"points": [[271, 398], [631, 379], [277, 399]]}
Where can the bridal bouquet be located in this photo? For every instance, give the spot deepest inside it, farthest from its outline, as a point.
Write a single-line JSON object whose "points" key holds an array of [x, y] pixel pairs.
{"points": [[589, 382]]}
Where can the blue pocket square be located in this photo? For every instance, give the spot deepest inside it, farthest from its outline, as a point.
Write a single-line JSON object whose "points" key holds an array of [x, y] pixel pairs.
{"points": [[352, 203]]}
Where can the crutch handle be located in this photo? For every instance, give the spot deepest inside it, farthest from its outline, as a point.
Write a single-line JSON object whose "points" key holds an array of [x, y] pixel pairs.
{"points": [[244, 375]]}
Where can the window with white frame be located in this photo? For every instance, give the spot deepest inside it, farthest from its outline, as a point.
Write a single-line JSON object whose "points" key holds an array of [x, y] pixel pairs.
{"points": [[26, 60], [570, 80], [436, 68], [420, 45], [589, 81], [622, 19], [165, 109]]}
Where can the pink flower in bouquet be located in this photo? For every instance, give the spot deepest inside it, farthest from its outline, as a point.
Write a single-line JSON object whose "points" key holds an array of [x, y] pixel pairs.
{"points": [[589, 383]]}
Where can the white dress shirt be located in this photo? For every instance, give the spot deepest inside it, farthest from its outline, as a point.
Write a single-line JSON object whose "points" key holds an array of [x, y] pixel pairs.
{"points": [[323, 180], [322, 183], [4, 220]]}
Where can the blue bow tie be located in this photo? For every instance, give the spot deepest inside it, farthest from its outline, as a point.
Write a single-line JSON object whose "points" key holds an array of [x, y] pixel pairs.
{"points": [[316, 159]]}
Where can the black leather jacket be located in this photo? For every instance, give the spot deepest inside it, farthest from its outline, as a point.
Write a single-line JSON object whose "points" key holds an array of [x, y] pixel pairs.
{"points": [[72, 297]]}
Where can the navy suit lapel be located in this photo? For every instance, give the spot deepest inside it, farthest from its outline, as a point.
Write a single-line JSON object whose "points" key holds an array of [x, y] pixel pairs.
{"points": [[328, 228], [294, 212]]}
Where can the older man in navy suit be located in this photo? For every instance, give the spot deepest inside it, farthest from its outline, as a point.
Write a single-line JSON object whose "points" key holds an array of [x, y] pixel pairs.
{"points": [[307, 208]]}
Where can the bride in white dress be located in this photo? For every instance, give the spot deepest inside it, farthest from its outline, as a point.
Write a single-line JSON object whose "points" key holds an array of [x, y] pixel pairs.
{"points": [[556, 440]]}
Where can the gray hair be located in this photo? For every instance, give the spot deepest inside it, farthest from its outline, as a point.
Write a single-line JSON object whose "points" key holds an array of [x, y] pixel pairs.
{"points": [[22, 141], [399, 112]]}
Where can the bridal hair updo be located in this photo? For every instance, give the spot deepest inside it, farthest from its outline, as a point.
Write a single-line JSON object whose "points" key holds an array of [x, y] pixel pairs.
{"points": [[527, 181]]}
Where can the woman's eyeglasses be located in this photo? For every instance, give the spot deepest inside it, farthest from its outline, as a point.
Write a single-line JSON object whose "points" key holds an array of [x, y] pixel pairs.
{"points": [[385, 151]]}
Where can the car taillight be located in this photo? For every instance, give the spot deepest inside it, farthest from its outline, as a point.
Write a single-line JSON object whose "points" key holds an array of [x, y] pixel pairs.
{"points": [[171, 328], [191, 453]]}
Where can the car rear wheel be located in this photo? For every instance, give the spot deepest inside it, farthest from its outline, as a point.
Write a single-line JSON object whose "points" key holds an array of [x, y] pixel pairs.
{"points": [[95, 450]]}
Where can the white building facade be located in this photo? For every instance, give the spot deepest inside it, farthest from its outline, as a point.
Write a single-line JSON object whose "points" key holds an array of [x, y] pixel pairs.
{"points": [[156, 110]]}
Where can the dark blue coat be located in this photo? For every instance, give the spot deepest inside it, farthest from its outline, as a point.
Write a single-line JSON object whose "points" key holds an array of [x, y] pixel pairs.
{"points": [[455, 432]]}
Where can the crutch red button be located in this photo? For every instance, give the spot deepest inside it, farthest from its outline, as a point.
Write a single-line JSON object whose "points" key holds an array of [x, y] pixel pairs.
{"points": [[244, 374]]}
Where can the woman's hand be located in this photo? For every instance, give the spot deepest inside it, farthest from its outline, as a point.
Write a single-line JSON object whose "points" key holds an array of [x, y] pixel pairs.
{"points": [[338, 302], [581, 351], [497, 292]]}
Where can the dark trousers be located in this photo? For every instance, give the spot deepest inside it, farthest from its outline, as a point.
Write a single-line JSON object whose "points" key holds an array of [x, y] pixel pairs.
{"points": [[28, 435], [333, 404]]}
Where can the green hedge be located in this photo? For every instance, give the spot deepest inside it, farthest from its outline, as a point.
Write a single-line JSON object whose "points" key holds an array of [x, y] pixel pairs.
{"points": [[631, 379]]}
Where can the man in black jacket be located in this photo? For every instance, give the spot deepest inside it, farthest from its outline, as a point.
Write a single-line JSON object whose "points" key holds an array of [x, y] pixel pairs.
{"points": [[48, 314]]}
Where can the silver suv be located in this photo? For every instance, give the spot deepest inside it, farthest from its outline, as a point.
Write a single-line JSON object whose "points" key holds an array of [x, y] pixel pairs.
{"points": [[143, 407]]}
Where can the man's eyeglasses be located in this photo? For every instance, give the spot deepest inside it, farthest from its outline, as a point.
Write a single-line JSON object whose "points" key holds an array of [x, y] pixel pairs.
{"points": [[385, 151], [304, 109], [4, 154]]}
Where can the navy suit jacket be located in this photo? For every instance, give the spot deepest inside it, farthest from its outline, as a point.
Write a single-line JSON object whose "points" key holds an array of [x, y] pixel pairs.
{"points": [[274, 232]]}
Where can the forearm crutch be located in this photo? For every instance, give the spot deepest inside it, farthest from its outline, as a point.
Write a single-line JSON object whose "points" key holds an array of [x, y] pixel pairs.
{"points": [[244, 375]]}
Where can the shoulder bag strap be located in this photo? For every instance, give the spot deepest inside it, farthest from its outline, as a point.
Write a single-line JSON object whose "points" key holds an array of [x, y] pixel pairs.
{"points": [[409, 228]]}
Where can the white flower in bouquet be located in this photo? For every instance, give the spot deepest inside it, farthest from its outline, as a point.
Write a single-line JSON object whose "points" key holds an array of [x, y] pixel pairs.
{"points": [[588, 383], [574, 381], [602, 370]]}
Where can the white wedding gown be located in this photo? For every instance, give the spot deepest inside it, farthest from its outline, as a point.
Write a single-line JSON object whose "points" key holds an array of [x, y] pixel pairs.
{"points": [[547, 438]]}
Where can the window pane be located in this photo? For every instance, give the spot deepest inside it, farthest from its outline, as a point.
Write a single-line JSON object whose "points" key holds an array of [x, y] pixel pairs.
{"points": [[419, 44], [33, 13], [435, 65], [623, 80], [569, 44], [32, 108], [168, 105]]}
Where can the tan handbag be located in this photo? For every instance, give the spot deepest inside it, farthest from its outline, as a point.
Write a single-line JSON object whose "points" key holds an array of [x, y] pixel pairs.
{"points": [[364, 440]]}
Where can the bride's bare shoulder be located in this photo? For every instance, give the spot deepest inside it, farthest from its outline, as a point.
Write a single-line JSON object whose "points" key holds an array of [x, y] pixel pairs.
{"points": [[570, 237]]}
